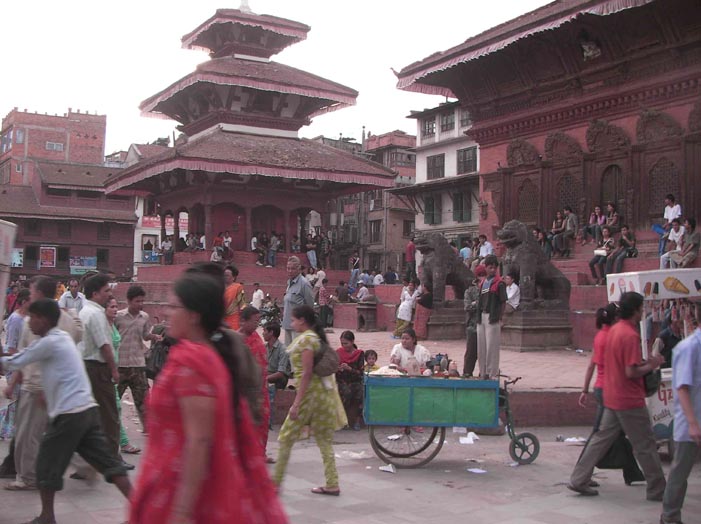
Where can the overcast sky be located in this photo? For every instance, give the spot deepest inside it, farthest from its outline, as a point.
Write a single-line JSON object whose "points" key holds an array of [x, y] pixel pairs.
{"points": [[107, 57]]}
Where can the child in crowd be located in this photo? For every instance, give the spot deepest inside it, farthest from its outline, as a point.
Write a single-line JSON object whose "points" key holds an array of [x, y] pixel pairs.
{"points": [[371, 361]]}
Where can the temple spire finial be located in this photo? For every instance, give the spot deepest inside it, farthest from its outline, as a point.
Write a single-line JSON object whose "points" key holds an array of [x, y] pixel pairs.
{"points": [[244, 7]]}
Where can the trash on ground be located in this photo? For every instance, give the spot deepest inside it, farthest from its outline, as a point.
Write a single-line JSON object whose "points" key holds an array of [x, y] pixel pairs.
{"points": [[575, 439], [476, 470], [353, 455], [559, 438], [459, 430], [513, 464], [394, 437], [389, 468], [476, 461]]}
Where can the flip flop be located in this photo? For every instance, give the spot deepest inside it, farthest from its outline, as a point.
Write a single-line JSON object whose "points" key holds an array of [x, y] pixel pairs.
{"points": [[131, 450], [323, 491], [19, 486]]}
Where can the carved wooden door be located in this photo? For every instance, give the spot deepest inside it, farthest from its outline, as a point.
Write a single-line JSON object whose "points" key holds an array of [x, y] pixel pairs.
{"points": [[612, 186]]}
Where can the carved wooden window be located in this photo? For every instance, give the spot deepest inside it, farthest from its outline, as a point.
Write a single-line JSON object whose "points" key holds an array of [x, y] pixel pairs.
{"points": [[612, 187], [467, 160], [528, 203], [448, 121], [664, 179], [432, 209], [435, 167], [567, 192], [428, 127], [462, 207]]}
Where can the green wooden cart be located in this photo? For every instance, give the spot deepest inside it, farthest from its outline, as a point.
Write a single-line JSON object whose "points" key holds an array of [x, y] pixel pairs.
{"points": [[408, 416]]}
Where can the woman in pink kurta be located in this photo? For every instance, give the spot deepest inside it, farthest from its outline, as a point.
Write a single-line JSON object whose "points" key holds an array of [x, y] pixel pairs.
{"points": [[203, 465]]}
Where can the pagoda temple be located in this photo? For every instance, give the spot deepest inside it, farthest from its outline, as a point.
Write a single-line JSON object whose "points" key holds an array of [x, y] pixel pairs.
{"points": [[239, 164]]}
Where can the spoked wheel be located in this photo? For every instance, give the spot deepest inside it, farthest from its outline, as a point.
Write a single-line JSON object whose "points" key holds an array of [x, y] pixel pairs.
{"points": [[524, 448], [406, 447]]}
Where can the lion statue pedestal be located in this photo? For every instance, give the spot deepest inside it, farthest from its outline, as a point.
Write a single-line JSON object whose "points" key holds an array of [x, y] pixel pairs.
{"points": [[542, 320]]}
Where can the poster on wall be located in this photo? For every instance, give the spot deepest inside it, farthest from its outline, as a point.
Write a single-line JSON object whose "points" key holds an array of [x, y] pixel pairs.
{"points": [[47, 256], [81, 265], [17, 257]]}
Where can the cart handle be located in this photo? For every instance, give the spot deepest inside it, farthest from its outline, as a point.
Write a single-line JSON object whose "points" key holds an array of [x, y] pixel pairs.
{"points": [[510, 382]]}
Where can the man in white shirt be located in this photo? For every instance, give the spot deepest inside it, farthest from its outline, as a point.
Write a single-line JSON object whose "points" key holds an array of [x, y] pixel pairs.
{"points": [[672, 210], [484, 248], [362, 293], [98, 356], [378, 279], [72, 299], [513, 293], [674, 237], [258, 296]]}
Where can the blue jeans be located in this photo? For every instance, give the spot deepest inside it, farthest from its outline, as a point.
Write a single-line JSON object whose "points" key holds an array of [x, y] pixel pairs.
{"points": [[272, 255], [311, 256], [354, 278], [663, 241]]}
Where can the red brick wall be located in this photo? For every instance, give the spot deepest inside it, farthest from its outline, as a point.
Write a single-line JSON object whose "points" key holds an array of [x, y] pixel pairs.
{"points": [[83, 242], [82, 136]]}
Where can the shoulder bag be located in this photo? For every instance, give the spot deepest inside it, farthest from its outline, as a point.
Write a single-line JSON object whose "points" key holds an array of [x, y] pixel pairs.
{"points": [[326, 361]]}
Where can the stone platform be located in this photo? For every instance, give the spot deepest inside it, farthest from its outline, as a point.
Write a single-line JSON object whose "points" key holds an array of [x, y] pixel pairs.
{"points": [[536, 330]]}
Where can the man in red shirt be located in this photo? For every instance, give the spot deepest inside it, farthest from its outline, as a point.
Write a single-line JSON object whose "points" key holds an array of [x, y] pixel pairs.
{"points": [[410, 257], [624, 404]]}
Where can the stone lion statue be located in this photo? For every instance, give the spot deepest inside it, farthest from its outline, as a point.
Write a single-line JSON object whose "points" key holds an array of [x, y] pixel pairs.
{"points": [[541, 283], [441, 266]]}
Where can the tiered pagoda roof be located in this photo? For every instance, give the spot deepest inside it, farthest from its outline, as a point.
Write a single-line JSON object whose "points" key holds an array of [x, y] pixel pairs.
{"points": [[240, 85]]}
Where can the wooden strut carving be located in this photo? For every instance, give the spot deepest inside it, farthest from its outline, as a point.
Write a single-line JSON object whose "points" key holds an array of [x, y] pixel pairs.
{"points": [[561, 148], [602, 137], [521, 153], [655, 125]]}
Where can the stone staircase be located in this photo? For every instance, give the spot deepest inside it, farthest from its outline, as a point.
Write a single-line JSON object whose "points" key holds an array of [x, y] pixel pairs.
{"points": [[585, 297], [158, 280]]}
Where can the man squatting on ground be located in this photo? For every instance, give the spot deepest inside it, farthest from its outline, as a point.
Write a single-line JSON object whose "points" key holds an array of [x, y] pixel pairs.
{"points": [[74, 420]]}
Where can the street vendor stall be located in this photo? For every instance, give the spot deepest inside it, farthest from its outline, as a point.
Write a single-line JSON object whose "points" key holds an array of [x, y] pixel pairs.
{"points": [[668, 291], [408, 415]]}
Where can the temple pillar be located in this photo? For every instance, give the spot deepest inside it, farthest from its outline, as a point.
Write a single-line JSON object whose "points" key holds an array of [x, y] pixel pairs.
{"points": [[249, 227], [289, 215], [302, 215], [208, 232], [176, 232], [163, 227]]}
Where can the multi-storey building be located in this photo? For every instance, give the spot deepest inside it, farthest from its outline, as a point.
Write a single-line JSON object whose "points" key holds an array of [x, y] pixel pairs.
{"points": [[445, 196], [51, 185]]}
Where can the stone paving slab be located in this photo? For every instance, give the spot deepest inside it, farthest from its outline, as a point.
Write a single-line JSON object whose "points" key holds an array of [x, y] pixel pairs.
{"points": [[440, 492]]}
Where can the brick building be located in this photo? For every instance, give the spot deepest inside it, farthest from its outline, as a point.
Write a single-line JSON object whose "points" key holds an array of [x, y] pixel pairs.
{"points": [[580, 103], [52, 172]]}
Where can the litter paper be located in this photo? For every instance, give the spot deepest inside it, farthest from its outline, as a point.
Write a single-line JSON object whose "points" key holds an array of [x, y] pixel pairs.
{"points": [[476, 470], [389, 468]]}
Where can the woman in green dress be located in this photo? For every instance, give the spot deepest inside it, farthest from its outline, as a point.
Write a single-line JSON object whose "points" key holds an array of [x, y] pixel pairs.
{"points": [[111, 309], [317, 403]]}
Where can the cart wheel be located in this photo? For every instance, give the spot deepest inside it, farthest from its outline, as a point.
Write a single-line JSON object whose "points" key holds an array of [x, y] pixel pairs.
{"points": [[524, 448], [406, 447]]}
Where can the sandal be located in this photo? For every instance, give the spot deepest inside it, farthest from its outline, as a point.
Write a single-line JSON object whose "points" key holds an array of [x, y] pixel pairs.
{"points": [[20, 486], [325, 491], [131, 450]]}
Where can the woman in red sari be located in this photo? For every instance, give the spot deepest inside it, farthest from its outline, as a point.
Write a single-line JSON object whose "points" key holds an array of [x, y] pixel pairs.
{"points": [[350, 378], [203, 462], [234, 298], [250, 317]]}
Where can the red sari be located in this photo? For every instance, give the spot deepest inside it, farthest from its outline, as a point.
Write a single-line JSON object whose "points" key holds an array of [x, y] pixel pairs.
{"points": [[234, 300], [237, 488], [257, 347]]}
